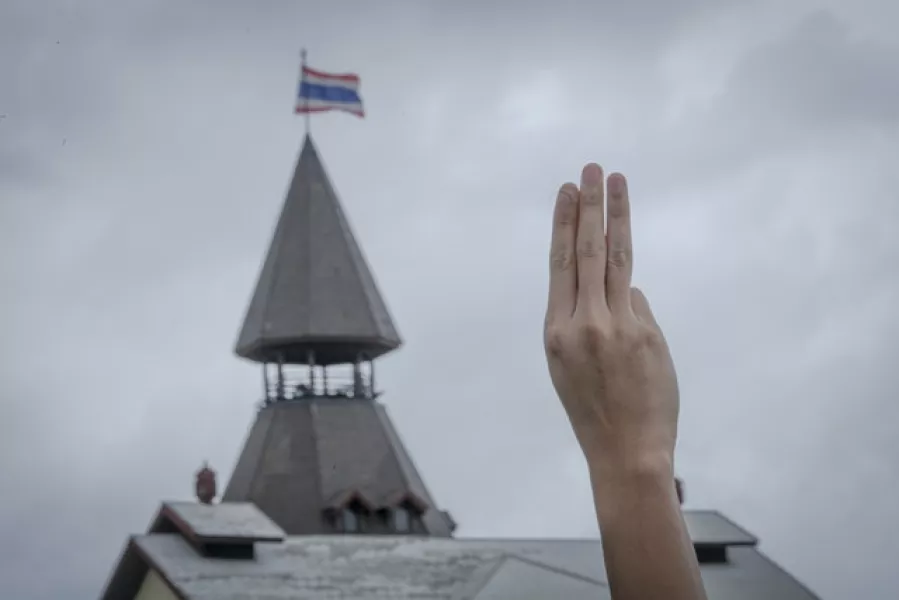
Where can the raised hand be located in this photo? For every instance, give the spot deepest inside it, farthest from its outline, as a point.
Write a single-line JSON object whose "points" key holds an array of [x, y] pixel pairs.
{"points": [[612, 370], [607, 356]]}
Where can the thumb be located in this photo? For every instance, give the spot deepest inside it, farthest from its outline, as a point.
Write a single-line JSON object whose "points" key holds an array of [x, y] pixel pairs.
{"points": [[641, 307]]}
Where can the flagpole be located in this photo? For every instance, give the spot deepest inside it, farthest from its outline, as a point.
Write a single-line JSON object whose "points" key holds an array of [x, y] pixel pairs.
{"points": [[305, 99]]}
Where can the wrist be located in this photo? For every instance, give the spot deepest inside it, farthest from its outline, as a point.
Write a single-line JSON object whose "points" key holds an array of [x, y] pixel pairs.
{"points": [[630, 467], [634, 478]]}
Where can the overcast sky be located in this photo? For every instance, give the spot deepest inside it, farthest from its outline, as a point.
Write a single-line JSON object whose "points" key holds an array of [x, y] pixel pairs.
{"points": [[145, 148]]}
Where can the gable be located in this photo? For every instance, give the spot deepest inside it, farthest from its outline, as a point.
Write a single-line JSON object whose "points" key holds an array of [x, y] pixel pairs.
{"points": [[155, 588]]}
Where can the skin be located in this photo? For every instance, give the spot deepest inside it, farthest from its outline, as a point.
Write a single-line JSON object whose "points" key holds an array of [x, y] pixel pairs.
{"points": [[614, 375]]}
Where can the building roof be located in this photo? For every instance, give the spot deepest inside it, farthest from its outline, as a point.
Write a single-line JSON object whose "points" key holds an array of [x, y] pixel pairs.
{"points": [[315, 292], [303, 458], [357, 567]]}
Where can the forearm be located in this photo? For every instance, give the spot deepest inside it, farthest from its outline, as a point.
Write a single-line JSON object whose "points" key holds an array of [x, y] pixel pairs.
{"points": [[648, 552]]}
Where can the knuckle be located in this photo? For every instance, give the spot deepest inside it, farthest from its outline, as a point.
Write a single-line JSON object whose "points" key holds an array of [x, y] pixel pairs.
{"points": [[565, 218], [654, 336], [554, 341], [590, 248], [632, 338], [561, 259], [619, 257], [648, 337], [593, 337]]}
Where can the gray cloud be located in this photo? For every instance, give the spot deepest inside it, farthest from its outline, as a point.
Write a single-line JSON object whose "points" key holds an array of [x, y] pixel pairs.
{"points": [[759, 138], [820, 74]]}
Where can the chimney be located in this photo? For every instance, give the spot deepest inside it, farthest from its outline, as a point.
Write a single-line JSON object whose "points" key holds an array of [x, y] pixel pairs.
{"points": [[205, 485], [679, 486]]}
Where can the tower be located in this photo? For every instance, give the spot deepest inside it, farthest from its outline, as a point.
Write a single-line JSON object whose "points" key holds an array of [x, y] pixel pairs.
{"points": [[323, 456]]}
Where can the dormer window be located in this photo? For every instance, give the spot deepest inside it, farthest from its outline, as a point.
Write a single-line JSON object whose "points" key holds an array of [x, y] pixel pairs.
{"points": [[402, 520], [402, 513], [349, 521], [349, 512]]}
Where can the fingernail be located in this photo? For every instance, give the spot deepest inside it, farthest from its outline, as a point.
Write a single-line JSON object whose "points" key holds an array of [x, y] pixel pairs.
{"points": [[568, 191], [616, 184], [592, 174]]}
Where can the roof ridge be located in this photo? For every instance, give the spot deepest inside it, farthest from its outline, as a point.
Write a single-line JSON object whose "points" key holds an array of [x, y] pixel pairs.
{"points": [[317, 473], [264, 445], [554, 569], [357, 256], [409, 468]]}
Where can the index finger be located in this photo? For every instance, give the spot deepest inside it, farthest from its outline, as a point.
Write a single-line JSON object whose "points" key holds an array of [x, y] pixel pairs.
{"points": [[562, 272]]}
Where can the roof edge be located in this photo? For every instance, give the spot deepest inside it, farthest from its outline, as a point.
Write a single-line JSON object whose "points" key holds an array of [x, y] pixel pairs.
{"points": [[168, 520], [786, 573], [131, 571], [752, 539]]}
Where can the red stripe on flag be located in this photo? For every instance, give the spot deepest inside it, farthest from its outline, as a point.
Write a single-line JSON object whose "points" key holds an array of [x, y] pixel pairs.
{"points": [[349, 77], [316, 109]]}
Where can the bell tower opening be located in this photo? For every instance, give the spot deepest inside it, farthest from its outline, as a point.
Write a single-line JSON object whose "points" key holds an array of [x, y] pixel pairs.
{"points": [[282, 382]]}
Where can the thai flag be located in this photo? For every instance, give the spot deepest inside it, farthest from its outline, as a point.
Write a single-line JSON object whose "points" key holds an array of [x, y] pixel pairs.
{"points": [[321, 92]]}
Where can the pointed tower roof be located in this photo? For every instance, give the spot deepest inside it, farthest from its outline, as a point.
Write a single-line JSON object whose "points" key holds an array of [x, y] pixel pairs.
{"points": [[315, 293]]}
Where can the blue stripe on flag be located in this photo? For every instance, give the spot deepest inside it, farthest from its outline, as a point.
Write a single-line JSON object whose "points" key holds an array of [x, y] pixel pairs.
{"points": [[329, 93]]}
